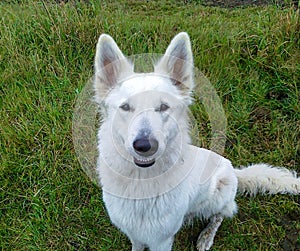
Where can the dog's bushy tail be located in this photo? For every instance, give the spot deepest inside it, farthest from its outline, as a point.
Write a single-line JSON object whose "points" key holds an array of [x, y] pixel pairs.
{"points": [[265, 179]]}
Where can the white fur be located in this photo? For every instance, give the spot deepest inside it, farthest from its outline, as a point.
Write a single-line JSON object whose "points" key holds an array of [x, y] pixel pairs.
{"points": [[150, 204], [266, 179]]}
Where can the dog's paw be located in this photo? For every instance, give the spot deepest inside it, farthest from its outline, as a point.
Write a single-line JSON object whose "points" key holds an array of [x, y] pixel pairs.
{"points": [[203, 245], [206, 237], [205, 241]]}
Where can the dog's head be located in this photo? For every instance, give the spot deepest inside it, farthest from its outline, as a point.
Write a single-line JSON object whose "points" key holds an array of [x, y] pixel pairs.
{"points": [[146, 111]]}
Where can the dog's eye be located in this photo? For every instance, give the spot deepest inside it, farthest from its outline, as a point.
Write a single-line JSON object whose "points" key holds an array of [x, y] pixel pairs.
{"points": [[125, 107], [163, 108]]}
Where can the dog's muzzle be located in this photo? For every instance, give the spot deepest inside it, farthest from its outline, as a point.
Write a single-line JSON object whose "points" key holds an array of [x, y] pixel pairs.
{"points": [[145, 147]]}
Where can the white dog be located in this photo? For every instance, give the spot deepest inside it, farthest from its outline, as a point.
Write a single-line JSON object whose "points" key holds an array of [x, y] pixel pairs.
{"points": [[152, 177]]}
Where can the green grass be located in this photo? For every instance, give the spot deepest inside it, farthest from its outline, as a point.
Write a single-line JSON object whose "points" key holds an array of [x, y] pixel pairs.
{"points": [[251, 55]]}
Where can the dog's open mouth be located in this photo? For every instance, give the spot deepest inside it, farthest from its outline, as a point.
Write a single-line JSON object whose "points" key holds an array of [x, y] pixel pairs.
{"points": [[144, 162]]}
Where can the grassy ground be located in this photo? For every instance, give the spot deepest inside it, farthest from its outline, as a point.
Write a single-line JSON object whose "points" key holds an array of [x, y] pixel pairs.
{"points": [[251, 55]]}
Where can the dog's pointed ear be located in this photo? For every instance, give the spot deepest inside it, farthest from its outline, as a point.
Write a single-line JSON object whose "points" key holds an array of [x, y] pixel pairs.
{"points": [[110, 65], [177, 63]]}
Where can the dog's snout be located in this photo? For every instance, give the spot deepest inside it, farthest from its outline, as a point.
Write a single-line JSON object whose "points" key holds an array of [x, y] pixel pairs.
{"points": [[145, 146]]}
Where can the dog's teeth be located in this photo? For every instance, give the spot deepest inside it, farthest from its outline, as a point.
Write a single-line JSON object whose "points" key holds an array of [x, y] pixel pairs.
{"points": [[145, 161]]}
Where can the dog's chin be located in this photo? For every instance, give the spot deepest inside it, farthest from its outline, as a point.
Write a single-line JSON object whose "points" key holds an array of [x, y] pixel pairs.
{"points": [[144, 163]]}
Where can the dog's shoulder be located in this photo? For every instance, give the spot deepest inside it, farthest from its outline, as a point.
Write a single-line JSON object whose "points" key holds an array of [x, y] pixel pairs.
{"points": [[203, 155], [207, 164]]}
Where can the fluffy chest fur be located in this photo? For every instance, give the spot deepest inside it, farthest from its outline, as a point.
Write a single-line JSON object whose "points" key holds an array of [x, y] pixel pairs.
{"points": [[148, 220]]}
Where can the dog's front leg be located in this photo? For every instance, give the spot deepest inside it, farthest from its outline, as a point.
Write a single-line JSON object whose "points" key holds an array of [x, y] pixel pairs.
{"points": [[137, 246], [206, 237], [165, 245]]}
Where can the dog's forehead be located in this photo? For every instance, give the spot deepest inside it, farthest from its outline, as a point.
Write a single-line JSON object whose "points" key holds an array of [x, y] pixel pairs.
{"points": [[146, 90], [142, 83], [149, 90]]}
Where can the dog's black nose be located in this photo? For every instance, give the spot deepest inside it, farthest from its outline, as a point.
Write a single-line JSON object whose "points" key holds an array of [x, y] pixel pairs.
{"points": [[145, 146]]}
